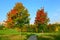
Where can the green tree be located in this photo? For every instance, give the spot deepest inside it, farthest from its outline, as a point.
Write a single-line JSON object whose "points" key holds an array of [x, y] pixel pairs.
{"points": [[18, 16]]}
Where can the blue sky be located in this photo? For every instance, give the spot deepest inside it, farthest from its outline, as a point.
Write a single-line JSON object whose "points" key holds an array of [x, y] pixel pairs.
{"points": [[52, 7]]}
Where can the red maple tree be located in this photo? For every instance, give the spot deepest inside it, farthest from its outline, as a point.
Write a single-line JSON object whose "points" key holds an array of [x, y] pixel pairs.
{"points": [[41, 17], [41, 20]]}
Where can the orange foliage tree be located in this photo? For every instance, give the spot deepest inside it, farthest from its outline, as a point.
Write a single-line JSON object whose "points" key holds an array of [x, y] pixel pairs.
{"points": [[9, 22], [17, 17], [41, 20]]}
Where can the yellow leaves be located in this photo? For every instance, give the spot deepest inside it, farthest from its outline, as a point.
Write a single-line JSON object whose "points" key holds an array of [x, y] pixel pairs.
{"points": [[24, 29], [19, 7], [18, 29], [56, 29], [27, 14]]}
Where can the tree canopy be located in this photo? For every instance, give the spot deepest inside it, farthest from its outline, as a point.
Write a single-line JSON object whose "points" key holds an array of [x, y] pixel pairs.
{"points": [[41, 20], [18, 16]]}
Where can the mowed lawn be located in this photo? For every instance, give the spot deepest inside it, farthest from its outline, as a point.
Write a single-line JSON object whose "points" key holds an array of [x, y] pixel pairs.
{"points": [[9, 32], [12, 34]]}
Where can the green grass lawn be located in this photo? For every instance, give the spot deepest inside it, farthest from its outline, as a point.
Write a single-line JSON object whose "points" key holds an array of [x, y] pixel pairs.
{"points": [[8, 34]]}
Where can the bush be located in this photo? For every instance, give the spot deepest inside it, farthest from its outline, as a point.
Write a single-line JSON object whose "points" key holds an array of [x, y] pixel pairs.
{"points": [[1, 27]]}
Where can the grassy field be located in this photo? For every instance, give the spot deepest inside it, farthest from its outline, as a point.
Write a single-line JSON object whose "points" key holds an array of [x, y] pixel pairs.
{"points": [[11, 34], [8, 32]]}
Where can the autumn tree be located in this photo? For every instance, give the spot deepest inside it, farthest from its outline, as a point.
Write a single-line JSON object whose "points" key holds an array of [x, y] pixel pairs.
{"points": [[17, 17], [41, 20]]}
